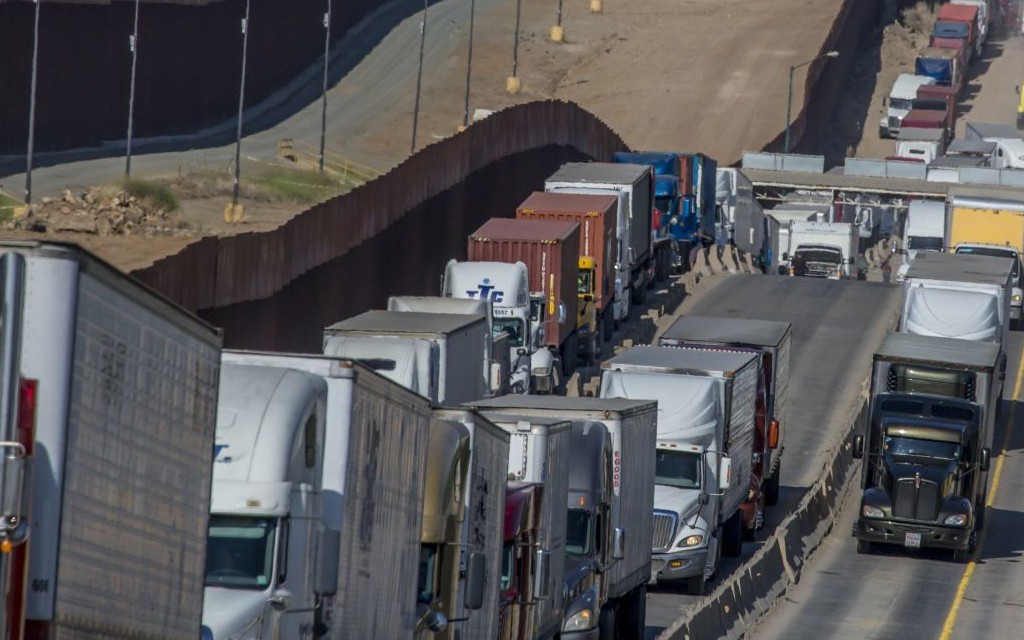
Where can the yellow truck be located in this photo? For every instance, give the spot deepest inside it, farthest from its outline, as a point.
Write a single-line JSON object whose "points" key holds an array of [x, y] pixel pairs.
{"points": [[989, 223]]}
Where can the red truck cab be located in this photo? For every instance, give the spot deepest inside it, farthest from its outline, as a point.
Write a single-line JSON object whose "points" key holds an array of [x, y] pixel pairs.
{"points": [[516, 602]]}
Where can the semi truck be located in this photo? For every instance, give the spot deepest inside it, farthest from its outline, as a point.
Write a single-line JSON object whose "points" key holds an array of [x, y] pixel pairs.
{"points": [[927, 444], [957, 296], [742, 216], [533, 367], [327, 462], [961, 22], [633, 185], [945, 66], [823, 250], [497, 365], [532, 598], [773, 343], [924, 229], [436, 355], [707, 404], [108, 415], [611, 497], [897, 103], [595, 214], [989, 223], [550, 251]]}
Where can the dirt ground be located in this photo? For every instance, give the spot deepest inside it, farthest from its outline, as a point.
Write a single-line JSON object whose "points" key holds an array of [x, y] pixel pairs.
{"points": [[699, 75]]}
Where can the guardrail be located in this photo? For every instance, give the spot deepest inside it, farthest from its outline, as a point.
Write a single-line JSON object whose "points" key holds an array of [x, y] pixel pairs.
{"points": [[305, 154]]}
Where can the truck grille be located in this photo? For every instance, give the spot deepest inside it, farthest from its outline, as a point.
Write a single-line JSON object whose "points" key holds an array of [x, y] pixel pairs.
{"points": [[664, 530], [916, 503]]}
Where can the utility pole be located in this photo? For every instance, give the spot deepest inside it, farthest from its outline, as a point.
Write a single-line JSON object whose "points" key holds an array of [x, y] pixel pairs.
{"points": [[32, 108], [419, 78], [241, 105], [133, 44], [327, 54]]}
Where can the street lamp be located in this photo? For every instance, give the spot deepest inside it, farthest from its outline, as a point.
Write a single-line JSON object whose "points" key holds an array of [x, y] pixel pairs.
{"points": [[133, 44], [469, 61], [241, 103], [557, 33], [789, 99], [512, 83], [32, 109], [419, 78], [323, 111]]}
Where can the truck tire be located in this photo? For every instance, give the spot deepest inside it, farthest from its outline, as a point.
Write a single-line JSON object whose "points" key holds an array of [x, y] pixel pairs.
{"points": [[608, 324], [631, 620], [640, 294], [569, 355], [732, 538], [979, 522], [771, 487], [695, 585], [606, 624], [663, 264], [864, 546]]}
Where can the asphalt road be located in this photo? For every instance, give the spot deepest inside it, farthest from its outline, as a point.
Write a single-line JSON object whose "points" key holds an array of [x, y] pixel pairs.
{"points": [[897, 594], [836, 326]]}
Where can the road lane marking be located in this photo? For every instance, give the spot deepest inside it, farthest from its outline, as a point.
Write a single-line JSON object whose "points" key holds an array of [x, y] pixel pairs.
{"points": [[954, 609]]}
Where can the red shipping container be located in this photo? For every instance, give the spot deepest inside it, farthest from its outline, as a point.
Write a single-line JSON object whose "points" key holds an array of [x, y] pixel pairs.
{"points": [[550, 249], [596, 215]]}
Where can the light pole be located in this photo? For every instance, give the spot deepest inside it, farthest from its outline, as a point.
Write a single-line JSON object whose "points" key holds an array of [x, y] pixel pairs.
{"points": [[557, 33], [789, 98], [419, 78], [323, 113], [469, 61], [512, 84], [241, 104], [32, 109], [133, 44]]}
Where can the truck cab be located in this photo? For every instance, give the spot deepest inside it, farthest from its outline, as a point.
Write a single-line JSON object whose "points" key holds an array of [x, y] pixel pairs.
{"points": [[506, 285], [823, 250], [924, 230], [1017, 293], [264, 506], [588, 329], [924, 478], [898, 103]]}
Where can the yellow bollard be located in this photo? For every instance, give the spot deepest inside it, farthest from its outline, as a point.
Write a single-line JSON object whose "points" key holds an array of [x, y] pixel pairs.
{"points": [[557, 33], [239, 213], [229, 212], [512, 85], [595, 6]]}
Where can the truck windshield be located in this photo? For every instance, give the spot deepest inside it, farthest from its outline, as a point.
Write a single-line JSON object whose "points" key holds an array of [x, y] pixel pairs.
{"points": [[507, 553], [678, 469], [924, 243], [428, 569], [240, 552], [664, 204], [513, 327], [901, 104], [936, 449], [577, 532], [584, 282], [995, 252]]}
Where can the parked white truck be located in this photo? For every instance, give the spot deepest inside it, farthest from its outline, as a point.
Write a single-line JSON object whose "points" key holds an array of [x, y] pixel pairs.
{"points": [[823, 250], [507, 286], [897, 103], [957, 296], [322, 470], [706, 405], [611, 497], [923, 230], [496, 359], [108, 413], [437, 355]]}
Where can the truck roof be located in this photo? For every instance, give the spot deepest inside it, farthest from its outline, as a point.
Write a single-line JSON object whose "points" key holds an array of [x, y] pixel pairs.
{"points": [[932, 265], [933, 350], [962, 146], [562, 403], [835, 228], [579, 203], [987, 198], [693, 361], [727, 330], [600, 172], [906, 84], [922, 134], [411, 322], [546, 231]]}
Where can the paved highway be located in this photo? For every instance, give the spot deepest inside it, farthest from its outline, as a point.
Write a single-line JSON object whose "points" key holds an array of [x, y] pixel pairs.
{"points": [[898, 594], [836, 326]]}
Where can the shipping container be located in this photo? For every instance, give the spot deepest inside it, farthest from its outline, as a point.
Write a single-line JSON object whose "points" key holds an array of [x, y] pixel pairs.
{"points": [[550, 251], [596, 217]]}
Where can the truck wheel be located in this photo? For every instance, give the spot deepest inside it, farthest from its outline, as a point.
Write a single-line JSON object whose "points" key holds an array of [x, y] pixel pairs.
{"points": [[662, 266], [864, 546], [771, 488], [569, 355], [640, 294], [606, 623], [608, 324], [631, 619], [594, 353], [695, 585], [732, 542], [979, 522]]}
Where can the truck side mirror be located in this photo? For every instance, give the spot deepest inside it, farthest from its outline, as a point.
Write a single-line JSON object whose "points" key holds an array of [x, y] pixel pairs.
{"points": [[541, 574], [326, 578], [858, 447], [885, 101], [785, 255], [587, 297], [618, 543], [773, 434], [726, 473], [562, 313], [986, 458], [476, 568]]}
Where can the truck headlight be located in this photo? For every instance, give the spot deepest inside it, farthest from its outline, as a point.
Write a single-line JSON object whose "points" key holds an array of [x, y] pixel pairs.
{"points": [[956, 520], [582, 620], [1015, 297], [690, 541], [871, 512]]}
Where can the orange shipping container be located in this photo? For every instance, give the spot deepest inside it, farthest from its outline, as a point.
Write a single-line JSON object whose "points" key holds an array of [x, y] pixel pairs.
{"points": [[550, 250], [598, 239]]}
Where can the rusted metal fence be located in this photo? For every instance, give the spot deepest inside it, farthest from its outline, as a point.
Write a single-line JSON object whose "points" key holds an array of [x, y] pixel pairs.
{"points": [[278, 289]]}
